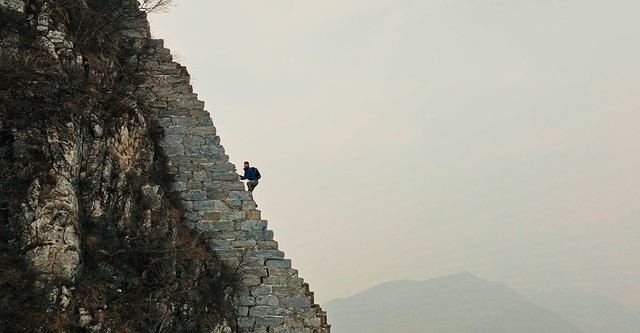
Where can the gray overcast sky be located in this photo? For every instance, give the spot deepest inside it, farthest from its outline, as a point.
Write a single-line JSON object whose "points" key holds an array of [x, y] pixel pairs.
{"points": [[411, 139]]}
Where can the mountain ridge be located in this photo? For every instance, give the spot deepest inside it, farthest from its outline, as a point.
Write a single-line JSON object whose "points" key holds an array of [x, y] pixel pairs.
{"points": [[458, 303]]}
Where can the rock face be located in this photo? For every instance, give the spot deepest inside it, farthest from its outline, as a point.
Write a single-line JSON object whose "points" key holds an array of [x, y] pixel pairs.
{"points": [[12, 5], [119, 210]]}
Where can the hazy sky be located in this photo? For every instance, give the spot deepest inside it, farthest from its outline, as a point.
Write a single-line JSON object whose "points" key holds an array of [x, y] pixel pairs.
{"points": [[412, 139]]}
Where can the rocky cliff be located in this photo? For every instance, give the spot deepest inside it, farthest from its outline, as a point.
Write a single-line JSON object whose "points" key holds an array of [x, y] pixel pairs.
{"points": [[119, 210]]}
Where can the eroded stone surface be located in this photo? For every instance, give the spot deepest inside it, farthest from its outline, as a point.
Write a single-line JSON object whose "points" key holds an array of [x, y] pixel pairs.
{"points": [[15, 5]]}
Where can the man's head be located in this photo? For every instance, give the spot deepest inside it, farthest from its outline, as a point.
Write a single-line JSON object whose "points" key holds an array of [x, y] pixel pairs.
{"points": [[246, 164]]}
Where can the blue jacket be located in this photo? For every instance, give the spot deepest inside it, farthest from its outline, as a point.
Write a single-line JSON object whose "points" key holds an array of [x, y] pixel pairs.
{"points": [[249, 174]]}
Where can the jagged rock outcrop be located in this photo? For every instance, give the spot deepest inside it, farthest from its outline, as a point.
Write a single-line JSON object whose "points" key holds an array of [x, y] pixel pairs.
{"points": [[119, 210]]}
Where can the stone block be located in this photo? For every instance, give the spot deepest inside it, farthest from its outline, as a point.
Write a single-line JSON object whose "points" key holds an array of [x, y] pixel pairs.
{"points": [[260, 291], [267, 254], [281, 312], [190, 103], [204, 121], [267, 245], [239, 195], [287, 272], [192, 216], [246, 301], [181, 159], [295, 282], [242, 311], [220, 244], [249, 205], [189, 167], [200, 175], [228, 176], [184, 121], [175, 130], [195, 185], [267, 300], [297, 302], [275, 281], [253, 224], [255, 271], [245, 244], [192, 150], [270, 321], [261, 235], [204, 226], [182, 88], [211, 150], [172, 79], [173, 139], [200, 206], [217, 195], [234, 235], [161, 105], [199, 113], [163, 121], [222, 158], [211, 216], [233, 186], [251, 281], [212, 139], [313, 322], [259, 311], [233, 215], [215, 226], [203, 130], [284, 291], [218, 167], [255, 215], [246, 322], [174, 150], [278, 263], [197, 195], [178, 186], [193, 140]]}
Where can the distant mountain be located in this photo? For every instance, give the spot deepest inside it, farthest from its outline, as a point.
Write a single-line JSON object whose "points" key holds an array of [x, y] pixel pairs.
{"points": [[460, 303], [592, 313]]}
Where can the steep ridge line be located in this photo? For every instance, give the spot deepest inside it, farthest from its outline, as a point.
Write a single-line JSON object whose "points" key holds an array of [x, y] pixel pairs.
{"points": [[272, 298]]}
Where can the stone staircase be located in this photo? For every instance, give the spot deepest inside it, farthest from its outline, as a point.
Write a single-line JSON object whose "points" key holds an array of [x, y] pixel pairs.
{"points": [[272, 297]]}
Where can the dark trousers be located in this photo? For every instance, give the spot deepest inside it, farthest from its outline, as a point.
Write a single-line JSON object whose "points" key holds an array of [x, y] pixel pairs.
{"points": [[252, 184]]}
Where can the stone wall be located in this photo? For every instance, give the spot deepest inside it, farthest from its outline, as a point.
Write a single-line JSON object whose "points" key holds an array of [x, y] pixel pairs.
{"points": [[273, 298]]}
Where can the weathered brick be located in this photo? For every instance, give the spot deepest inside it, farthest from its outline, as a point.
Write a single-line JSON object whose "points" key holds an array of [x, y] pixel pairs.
{"points": [[270, 320], [278, 263], [211, 216], [203, 130], [246, 301], [239, 195], [260, 291], [267, 300], [246, 321], [259, 311], [200, 206], [275, 281], [242, 311], [267, 245], [176, 131], [253, 224], [222, 244], [267, 254], [297, 302], [253, 214]]}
